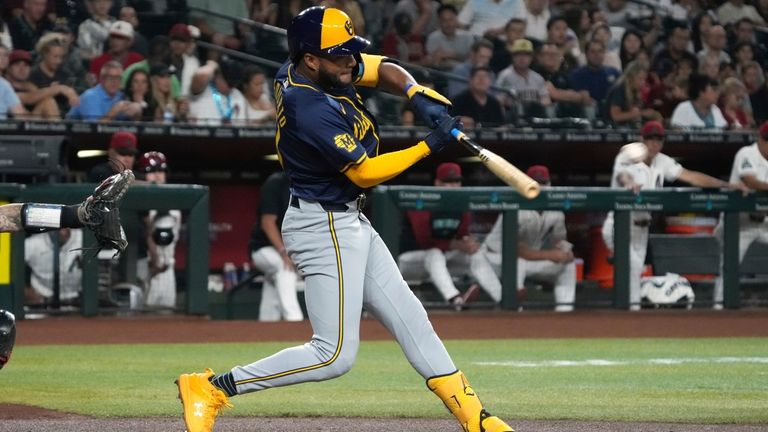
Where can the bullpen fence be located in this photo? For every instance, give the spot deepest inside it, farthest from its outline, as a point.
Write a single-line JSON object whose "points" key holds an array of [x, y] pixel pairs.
{"points": [[391, 200], [193, 200]]}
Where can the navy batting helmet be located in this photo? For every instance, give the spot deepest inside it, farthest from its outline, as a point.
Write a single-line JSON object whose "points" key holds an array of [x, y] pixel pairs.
{"points": [[152, 162], [320, 30], [7, 336]]}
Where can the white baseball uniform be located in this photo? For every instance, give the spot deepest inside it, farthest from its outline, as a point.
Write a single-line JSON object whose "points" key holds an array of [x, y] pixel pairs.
{"points": [[38, 254], [162, 286], [538, 230], [752, 226], [662, 168], [278, 295]]}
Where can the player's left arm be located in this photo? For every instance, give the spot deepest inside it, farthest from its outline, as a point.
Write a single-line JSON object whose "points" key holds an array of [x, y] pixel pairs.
{"points": [[697, 178], [381, 72]]}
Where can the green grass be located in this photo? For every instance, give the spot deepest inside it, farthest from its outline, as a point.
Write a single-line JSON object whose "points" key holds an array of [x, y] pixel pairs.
{"points": [[137, 380]]}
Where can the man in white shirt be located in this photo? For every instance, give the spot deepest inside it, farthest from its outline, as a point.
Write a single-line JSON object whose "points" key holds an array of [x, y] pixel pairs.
{"points": [[647, 172], [536, 14], [734, 10], [449, 45], [487, 18], [213, 98], [542, 249], [750, 166], [526, 86], [701, 110], [38, 254]]}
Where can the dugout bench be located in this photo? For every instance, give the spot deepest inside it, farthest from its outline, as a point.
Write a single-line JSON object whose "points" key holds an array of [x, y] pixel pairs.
{"points": [[389, 200], [193, 200]]}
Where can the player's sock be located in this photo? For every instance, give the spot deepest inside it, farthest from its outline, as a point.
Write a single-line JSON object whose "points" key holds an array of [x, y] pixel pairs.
{"points": [[226, 383]]}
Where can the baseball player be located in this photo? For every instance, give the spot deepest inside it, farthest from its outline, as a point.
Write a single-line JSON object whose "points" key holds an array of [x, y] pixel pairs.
{"points": [[268, 254], [750, 166], [328, 144], [38, 254], [543, 252], [442, 242], [162, 236], [648, 170]]}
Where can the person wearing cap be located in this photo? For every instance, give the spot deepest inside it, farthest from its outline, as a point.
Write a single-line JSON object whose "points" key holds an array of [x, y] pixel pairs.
{"points": [[526, 89], [437, 245], [183, 55], [544, 253], [162, 229], [39, 101], [213, 95], [92, 33], [329, 147], [477, 105], [159, 54], [647, 170], [140, 43], [701, 110], [121, 155], [118, 47], [105, 102], [750, 167]]}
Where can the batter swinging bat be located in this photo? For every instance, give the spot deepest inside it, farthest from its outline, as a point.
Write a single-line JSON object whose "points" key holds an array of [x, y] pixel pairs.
{"points": [[504, 170]]}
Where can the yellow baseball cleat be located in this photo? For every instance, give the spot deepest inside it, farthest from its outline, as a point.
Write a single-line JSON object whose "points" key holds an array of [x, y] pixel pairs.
{"points": [[201, 400], [491, 423]]}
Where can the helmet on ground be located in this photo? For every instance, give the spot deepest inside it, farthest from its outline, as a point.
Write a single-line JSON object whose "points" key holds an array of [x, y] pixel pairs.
{"points": [[320, 30], [7, 336], [152, 162]]}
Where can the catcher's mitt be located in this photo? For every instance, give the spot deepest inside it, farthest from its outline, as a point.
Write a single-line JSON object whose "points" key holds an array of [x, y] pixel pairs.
{"points": [[7, 336], [100, 214]]}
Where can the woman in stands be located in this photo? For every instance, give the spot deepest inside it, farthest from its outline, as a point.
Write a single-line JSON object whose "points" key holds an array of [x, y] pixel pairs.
{"points": [[625, 105], [138, 89], [259, 108]]}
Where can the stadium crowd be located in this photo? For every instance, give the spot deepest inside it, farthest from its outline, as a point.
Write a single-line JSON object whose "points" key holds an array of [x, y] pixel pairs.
{"points": [[616, 63]]}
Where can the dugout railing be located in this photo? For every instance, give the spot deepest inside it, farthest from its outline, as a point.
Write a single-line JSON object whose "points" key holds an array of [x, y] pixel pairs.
{"points": [[392, 200], [192, 200]]}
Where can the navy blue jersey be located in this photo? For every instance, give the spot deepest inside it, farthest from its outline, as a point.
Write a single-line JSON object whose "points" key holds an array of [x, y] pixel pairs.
{"points": [[320, 135]]}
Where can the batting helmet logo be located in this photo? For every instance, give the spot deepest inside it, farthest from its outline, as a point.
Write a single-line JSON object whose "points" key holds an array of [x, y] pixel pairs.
{"points": [[319, 30], [7, 336]]}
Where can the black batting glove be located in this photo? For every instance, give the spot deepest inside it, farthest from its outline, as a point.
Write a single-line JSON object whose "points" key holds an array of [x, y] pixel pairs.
{"points": [[442, 135]]}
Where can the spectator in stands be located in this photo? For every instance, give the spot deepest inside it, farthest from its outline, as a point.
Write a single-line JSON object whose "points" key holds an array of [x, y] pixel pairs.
{"points": [[710, 66], [631, 46], [139, 91], [734, 10], [38, 255], [569, 103], [744, 33], [159, 54], [352, 8], [5, 34], [93, 32], [526, 88], [618, 12], [477, 106], [140, 43], [39, 101], [449, 45], [162, 93], [27, 27], [121, 155], [602, 33], [743, 53], [701, 110], [487, 18], [9, 102], [183, 56], [557, 33], [213, 96], [401, 43], [49, 71], [119, 44], [423, 14], [624, 101], [754, 80], [676, 48], [536, 15], [4, 53], [661, 94], [438, 246], [479, 56], [750, 168], [594, 77], [72, 63], [731, 104], [268, 254], [258, 108], [514, 30], [715, 45], [700, 27], [217, 30], [544, 253], [105, 101]]}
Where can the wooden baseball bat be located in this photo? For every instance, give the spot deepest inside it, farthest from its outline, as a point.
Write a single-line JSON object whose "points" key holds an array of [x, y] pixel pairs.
{"points": [[504, 170]]}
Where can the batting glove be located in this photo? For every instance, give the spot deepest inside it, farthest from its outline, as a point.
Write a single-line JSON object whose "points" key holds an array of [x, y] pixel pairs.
{"points": [[431, 106], [441, 136]]}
